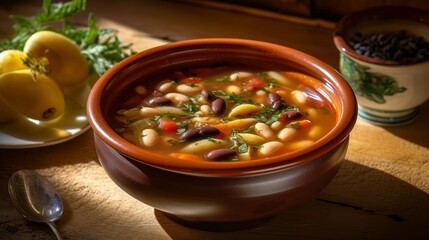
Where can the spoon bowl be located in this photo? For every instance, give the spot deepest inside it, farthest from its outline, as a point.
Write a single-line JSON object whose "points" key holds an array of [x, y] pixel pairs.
{"points": [[36, 198]]}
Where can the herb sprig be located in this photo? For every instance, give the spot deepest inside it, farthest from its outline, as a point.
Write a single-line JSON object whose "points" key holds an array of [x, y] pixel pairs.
{"points": [[101, 46]]}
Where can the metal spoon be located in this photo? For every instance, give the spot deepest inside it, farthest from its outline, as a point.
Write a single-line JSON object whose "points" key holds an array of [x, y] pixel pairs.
{"points": [[36, 198]]}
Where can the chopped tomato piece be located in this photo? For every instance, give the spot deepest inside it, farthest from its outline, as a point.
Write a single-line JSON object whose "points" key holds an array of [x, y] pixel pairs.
{"points": [[191, 80], [283, 119], [302, 124], [255, 83], [168, 125]]}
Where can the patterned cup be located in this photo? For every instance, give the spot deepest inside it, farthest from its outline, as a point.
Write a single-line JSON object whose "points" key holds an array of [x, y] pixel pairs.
{"points": [[389, 92]]}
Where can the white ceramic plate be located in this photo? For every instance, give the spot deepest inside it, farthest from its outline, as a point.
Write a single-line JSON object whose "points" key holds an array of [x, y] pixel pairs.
{"points": [[27, 133]]}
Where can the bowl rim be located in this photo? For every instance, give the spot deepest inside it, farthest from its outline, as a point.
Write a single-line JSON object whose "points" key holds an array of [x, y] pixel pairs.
{"points": [[393, 12], [339, 133]]}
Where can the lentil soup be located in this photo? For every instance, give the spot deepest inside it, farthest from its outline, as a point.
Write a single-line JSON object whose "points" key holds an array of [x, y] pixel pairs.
{"points": [[225, 113]]}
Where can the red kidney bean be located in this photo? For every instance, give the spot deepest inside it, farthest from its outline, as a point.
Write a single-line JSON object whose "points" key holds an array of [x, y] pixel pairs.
{"points": [[208, 131], [218, 106], [191, 135], [293, 114], [208, 95], [277, 105], [199, 133], [221, 154], [159, 101], [274, 100], [273, 97]]}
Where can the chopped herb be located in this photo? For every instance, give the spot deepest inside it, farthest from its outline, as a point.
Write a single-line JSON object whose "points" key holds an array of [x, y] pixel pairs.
{"points": [[234, 98], [243, 148], [295, 125], [172, 141], [269, 81], [239, 143], [271, 120], [324, 110], [181, 130], [191, 107], [183, 127], [220, 93], [249, 129]]}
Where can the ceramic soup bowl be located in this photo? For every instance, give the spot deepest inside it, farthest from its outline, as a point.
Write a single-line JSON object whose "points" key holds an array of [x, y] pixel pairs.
{"points": [[220, 195]]}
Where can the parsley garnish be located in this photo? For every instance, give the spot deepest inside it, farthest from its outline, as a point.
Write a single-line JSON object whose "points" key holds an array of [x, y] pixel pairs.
{"points": [[239, 143], [270, 82], [191, 107], [172, 141], [183, 127]]}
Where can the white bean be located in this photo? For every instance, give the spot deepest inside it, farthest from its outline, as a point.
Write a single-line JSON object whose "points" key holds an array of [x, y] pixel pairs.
{"points": [[189, 89], [177, 98], [239, 75], [264, 130], [287, 134], [277, 125], [149, 137], [280, 78], [299, 97], [205, 109], [261, 97], [269, 148], [233, 89], [261, 93], [166, 86]]}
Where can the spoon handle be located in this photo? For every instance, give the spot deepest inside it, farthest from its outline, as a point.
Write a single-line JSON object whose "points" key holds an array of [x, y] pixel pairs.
{"points": [[55, 230]]}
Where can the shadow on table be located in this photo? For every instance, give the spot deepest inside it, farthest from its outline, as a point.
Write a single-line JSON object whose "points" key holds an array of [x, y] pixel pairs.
{"points": [[415, 131], [360, 203]]}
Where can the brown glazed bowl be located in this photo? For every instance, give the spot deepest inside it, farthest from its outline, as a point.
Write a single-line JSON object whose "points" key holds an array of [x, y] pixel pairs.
{"points": [[220, 195]]}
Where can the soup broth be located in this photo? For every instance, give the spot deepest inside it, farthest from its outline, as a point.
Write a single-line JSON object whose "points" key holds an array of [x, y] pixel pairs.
{"points": [[226, 113]]}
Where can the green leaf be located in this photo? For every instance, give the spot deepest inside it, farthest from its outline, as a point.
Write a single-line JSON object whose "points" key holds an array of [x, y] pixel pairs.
{"points": [[101, 46]]}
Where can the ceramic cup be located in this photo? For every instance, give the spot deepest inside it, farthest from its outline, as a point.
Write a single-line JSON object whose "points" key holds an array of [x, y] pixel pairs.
{"points": [[388, 92]]}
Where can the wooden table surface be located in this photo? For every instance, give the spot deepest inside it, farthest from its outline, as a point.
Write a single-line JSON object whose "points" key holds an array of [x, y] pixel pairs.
{"points": [[381, 191]]}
